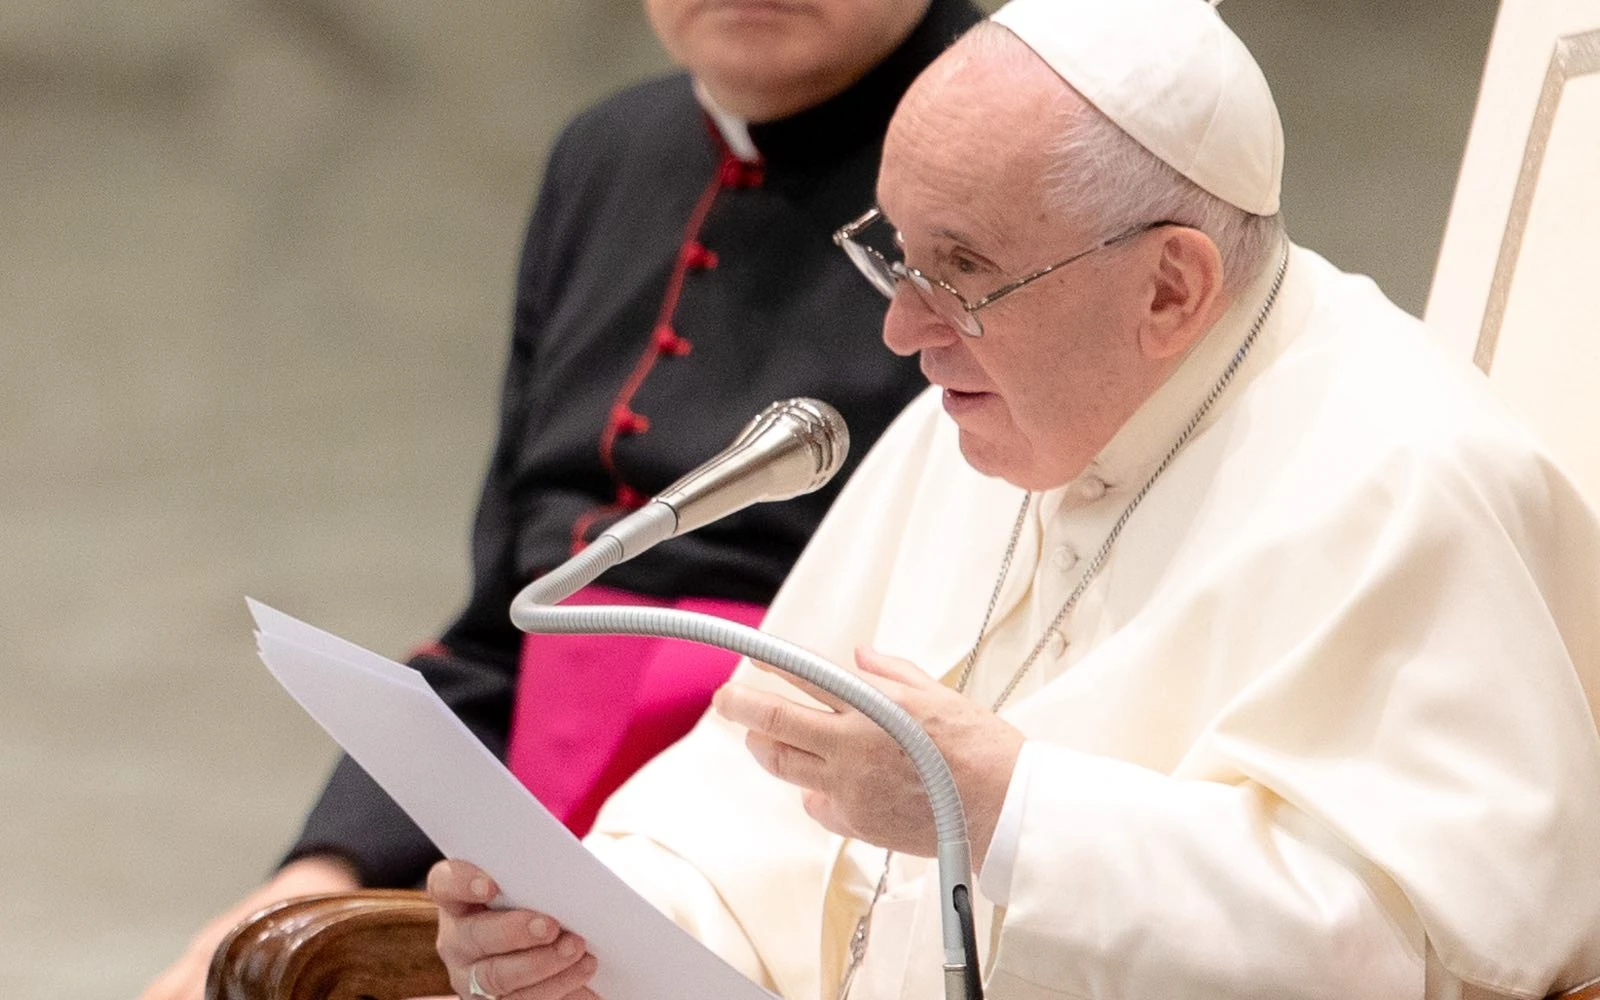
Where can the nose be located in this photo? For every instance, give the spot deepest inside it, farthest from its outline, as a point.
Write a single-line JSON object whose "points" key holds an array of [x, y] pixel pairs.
{"points": [[910, 326]]}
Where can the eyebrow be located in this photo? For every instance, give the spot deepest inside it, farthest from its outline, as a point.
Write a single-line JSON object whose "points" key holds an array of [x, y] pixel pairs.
{"points": [[953, 235]]}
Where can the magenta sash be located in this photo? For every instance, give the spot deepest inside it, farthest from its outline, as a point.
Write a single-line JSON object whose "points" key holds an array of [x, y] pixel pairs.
{"points": [[592, 709]]}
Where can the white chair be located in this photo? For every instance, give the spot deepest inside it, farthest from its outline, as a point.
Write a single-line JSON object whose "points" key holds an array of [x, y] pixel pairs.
{"points": [[1518, 269]]}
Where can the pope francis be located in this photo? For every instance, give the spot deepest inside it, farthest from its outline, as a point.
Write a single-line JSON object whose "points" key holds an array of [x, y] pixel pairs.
{"points": [[1263, 644]]}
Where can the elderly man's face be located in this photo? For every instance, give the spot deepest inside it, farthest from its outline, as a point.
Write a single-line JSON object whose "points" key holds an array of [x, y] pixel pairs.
{"points": [[1059, 367], [767, 58]]}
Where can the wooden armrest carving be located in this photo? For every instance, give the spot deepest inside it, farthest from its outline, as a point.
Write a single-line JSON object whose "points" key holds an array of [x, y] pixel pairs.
{"points": [[377, 944]]}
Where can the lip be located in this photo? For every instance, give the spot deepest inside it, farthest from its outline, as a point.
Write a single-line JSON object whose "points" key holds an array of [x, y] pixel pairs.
{"points": [[956, 402], [753, 8]]}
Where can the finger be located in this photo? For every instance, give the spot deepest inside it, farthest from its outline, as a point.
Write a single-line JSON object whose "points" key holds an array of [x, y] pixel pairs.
{"points": [[786, 762], [809, 729], [883, 667], [468, 938], [460, 887], [826, 698], [539, 969], [564, 985]]}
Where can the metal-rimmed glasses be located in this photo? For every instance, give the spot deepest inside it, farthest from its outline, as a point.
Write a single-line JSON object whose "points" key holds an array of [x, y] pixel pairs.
{"points": [[937, 294]]}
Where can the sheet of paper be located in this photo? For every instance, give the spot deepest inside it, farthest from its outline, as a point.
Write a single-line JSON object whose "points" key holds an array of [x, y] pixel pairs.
{"points": [[388, 718]]}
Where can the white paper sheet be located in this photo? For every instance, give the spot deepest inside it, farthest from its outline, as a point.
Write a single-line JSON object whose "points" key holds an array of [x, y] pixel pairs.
{"points": [[388, 718]]}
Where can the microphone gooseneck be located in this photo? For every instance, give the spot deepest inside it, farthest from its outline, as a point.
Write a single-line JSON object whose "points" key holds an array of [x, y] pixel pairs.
{"points": [[790, 448]]}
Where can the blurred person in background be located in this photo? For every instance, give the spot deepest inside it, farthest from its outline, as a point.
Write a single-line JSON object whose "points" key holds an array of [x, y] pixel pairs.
{"points": [[678, 275]]}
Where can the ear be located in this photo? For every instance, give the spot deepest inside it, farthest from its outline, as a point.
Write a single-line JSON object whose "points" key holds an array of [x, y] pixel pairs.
{"points": [[1186, 293]]}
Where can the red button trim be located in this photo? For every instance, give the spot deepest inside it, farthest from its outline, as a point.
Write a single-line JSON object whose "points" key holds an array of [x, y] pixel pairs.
{"points": [[737, 173], [630, 498], [625, 421], [697, 257], [667, 341]]}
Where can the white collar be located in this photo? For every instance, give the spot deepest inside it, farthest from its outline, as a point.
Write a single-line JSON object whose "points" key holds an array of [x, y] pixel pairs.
{"points": [[735, 131]]}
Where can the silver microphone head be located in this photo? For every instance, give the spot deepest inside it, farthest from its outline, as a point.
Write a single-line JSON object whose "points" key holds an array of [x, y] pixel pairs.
{"points": [[792, 447]]}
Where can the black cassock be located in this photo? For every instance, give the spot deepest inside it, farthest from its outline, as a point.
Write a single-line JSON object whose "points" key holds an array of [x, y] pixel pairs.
{"points": [[667, 292]]}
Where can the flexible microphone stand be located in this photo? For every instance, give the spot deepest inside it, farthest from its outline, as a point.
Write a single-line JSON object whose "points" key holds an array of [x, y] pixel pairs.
{"points": [[534, 610]]}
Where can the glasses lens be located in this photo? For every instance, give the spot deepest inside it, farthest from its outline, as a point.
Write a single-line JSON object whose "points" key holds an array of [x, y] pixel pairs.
{"points": [[872, 265], [943, 302]]}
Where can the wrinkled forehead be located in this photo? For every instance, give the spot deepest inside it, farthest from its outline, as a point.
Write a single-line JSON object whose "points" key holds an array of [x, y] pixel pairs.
{"points": [[970, 142]]}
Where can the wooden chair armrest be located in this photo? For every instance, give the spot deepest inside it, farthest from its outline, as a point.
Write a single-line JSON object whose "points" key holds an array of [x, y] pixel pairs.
{"points": [[377, 944]]}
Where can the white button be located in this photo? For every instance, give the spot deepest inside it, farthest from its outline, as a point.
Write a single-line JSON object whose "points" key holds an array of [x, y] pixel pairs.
{"points": [[1057, 644], [1064, 557], [1092, 487]]}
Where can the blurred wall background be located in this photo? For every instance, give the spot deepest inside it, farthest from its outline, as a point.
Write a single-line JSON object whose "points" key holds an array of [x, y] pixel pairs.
{"points": [[255, 269]]}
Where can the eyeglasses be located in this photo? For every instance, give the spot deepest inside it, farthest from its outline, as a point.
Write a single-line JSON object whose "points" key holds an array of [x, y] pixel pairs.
{"points": [[938, 295]]}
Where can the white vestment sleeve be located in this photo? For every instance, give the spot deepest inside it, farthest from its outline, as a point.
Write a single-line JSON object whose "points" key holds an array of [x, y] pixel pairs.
{"points": [[995, 870], [1130, 883]]}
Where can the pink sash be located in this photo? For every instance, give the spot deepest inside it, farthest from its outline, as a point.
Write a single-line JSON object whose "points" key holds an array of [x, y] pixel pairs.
{"points": [[592, 709]]}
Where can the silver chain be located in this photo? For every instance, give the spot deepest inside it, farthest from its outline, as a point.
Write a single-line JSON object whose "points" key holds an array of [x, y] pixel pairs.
{"points": [[858, 939]]}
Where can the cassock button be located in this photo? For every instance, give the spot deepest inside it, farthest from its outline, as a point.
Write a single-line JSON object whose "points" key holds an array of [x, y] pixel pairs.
{"points": [[1057, 644], [625, 421], [1064, 557], [1091, 487], [667, 341], [629, 498], [737, 173], [697, 257]]}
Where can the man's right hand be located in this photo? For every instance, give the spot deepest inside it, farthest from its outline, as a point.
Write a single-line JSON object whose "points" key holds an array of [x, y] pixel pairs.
{"points": [[509, 954], [185, 979]]}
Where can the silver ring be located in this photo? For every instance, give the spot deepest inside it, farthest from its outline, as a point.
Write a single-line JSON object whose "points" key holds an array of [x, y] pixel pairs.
{"points": [[472, 984]]}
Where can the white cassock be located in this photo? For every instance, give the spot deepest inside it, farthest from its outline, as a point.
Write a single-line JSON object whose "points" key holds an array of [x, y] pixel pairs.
{"points": [[1322, 727]]}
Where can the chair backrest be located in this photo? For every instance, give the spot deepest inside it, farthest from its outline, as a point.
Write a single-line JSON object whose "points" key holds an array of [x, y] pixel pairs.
{"points": [[1515, 285]]}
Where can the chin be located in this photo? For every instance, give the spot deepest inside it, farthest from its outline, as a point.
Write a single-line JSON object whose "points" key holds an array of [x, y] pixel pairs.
{"points": [[990, 459], [1020, 469]]}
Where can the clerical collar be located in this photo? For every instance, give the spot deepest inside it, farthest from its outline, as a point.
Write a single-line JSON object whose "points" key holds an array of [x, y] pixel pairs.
{"points": [[1140, 444], [857, 116], [735, 131]]}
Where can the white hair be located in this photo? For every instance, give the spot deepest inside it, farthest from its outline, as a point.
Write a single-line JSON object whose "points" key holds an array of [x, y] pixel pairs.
{"points": [[1102, 178]]}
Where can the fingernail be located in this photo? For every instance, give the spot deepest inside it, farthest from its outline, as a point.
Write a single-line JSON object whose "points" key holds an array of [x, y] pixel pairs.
{"points": [[480, 888], [569, 947], [540, 926]]}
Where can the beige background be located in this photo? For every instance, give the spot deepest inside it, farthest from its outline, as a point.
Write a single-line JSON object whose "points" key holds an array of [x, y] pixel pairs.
{"points": [[255, 262]]}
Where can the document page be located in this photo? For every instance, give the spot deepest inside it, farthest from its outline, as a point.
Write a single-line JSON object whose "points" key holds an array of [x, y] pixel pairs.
{"points": [[393, 724]]}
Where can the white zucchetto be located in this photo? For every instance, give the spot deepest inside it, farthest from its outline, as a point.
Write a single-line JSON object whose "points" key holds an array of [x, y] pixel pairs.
{"points": [[1173, 76]]}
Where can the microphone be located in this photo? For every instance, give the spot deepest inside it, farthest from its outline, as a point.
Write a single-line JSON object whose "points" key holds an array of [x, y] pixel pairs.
{"points": [[791, 448]]}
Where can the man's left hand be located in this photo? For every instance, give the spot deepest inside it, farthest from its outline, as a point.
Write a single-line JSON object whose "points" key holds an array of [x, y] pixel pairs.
{"points": [[856, 780]]}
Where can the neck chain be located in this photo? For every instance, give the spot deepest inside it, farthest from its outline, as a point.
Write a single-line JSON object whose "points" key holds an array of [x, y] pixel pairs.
{"points": [[858, 939]]}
